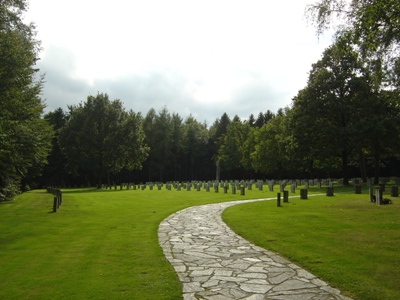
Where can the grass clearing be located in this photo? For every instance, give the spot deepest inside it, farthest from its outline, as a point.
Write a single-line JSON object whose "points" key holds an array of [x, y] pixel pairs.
{"points": [[99, 245], [103, 244], [346, 240]]}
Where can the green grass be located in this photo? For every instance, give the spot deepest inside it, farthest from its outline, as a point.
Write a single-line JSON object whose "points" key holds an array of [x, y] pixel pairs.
{"points": [[99, 245], [103, 244], [346, 240]]}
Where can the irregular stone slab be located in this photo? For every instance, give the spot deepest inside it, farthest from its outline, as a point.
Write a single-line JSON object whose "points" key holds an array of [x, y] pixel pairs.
{"points": [[212, 262]]}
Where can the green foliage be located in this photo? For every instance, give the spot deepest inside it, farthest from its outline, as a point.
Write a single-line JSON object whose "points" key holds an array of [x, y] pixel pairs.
{"points": [[178, 149], [375, 23], [374, 26], [331, 116], [196, 139], [231, 151], [24, 136], [271, 153], [217, 133], [159, 131], [55, 171], [100, 138]]}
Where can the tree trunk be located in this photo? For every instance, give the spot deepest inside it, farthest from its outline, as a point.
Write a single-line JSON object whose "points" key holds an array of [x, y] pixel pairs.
{"points": [[376, 167], [218, 171], [345, 169], [363, 169]]}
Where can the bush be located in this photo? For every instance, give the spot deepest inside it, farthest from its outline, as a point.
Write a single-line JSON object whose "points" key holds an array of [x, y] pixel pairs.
{"points": [[9, 189]]}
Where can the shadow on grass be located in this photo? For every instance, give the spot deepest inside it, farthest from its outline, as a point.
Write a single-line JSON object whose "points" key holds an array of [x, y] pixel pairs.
{"points": [[81, 190], [6, 202]]}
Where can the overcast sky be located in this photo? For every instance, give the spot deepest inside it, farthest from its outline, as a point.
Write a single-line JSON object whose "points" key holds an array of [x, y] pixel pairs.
{"points": [[195, 57]]}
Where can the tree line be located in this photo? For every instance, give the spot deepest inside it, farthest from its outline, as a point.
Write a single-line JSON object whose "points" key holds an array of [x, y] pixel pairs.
{"points": [[99, 142], [345, 122]]}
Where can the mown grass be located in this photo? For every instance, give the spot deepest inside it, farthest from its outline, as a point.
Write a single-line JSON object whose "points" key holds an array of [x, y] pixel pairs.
{"points": [[99, 245], [346, 240], [104, 245]]}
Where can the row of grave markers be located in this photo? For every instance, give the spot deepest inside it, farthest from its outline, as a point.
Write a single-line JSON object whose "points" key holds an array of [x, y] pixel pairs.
{"points": [[57, 200], [259, 183], [235, 186]]}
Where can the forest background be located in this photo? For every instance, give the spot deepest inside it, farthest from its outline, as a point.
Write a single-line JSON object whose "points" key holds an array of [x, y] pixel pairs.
{"points": [[344, 123]]}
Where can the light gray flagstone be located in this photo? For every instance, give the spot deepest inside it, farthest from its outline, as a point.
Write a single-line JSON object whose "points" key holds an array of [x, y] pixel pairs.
{"points": [[212, 262]]}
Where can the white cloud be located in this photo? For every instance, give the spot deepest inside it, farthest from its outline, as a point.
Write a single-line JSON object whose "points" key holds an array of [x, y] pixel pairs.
{"points": [[200, 57]]}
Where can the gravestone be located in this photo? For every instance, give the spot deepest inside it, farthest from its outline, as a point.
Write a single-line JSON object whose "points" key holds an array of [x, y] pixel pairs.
{"points": [[357, 189], [329, 190], [293, 188], [242, 190], [233, 189], [379, 196], [371, 195], [394, 191], [285, 196], [303, 193], [55, 204], [278, 199]]}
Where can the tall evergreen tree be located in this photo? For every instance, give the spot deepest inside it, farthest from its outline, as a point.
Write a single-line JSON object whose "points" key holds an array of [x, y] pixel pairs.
{"points": [[217, 134], [55, 172], [158, 128], [196, 141]]}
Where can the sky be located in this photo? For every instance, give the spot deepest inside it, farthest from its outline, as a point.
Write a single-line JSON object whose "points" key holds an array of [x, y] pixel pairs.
{"points": [[200, 58]]}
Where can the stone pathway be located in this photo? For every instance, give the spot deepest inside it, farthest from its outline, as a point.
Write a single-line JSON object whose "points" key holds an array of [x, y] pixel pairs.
{"points": [[212, 262]]}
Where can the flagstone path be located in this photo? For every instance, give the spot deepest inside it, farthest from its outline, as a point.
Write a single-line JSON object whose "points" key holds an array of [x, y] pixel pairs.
{"points": [[212, 262]]}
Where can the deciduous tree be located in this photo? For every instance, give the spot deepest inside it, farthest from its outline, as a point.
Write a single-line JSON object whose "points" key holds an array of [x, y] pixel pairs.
{"points": [[101, 138], [24, 135], [271, 149], [331, 114]]}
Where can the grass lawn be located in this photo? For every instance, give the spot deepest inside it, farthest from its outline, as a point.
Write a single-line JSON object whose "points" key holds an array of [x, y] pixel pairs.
{"points": [[346, 240], [99, 245], [103, 244]]}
